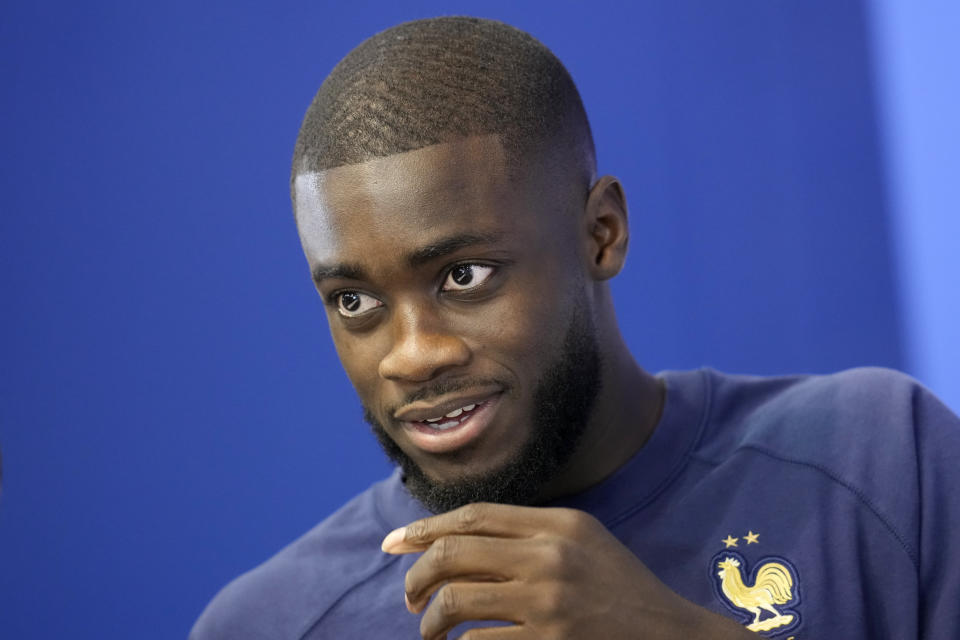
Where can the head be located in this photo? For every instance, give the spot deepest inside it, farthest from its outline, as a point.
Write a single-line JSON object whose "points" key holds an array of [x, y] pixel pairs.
{"points": [[445, 194], [433, 81], [728, 564]]}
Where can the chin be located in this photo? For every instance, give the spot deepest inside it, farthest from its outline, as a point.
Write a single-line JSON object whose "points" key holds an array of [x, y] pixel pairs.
{"points": [[466, 468]]}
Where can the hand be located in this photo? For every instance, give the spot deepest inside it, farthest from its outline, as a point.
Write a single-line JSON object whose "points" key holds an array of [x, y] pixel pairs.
{"points": [[554, 573]]}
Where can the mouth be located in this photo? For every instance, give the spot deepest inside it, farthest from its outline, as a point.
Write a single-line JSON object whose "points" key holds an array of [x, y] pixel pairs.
{"points": [[449, 425]]}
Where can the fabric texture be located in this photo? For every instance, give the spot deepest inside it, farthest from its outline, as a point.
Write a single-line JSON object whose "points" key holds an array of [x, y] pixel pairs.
{"points": [[804, 507]]}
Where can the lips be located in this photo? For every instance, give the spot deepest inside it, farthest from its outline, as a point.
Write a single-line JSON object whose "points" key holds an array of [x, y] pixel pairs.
{"points": [[422, 411], [451, 424]]}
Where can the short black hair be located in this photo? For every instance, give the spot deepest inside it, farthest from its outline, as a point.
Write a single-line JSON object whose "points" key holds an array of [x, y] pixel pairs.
{"points": [[439, 80]]}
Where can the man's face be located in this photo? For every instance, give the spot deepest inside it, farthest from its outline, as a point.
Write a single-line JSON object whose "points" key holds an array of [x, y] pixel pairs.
{"points": [[455, 296]]}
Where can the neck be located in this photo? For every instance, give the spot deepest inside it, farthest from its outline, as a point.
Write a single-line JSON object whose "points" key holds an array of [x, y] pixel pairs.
{"points": [[626, 412]]}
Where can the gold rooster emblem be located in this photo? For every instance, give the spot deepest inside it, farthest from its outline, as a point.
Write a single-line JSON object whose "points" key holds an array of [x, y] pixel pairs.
{"points": [[773, 586]]}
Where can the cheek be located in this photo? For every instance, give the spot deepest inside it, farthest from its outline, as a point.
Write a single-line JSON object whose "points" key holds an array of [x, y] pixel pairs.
{"points": [[521, 328], [359, 360]]}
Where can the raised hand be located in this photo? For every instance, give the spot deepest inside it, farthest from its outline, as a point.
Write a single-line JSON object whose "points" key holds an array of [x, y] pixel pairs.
{"points": [[554, 573]]}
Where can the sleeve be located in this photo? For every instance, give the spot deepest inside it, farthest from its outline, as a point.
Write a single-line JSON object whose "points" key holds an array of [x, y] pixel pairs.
{"points": [[232, 616], [938, 462]]}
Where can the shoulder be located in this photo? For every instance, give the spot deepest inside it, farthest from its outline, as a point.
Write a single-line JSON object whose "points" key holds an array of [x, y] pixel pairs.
{"points": [[860, 409], [287, 594], [875, 433], [858, 420]]}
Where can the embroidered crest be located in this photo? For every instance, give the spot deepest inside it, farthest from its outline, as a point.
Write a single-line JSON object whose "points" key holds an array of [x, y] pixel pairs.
{"points": [[765, 599]]}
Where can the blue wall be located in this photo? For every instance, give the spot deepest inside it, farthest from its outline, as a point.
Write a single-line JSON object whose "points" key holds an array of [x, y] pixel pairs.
{"points": [[919, 98], [171, 408]]}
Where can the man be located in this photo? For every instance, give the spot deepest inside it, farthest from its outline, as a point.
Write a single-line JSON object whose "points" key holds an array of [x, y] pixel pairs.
{"points": [[445, 191]]}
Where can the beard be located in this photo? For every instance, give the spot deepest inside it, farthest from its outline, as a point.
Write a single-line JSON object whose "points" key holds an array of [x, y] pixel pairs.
{"points": [[563, 402]]}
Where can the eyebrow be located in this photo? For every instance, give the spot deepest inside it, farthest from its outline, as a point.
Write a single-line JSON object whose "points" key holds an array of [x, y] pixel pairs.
{"points": [[417, 258], [451, 244], [321, 272]]}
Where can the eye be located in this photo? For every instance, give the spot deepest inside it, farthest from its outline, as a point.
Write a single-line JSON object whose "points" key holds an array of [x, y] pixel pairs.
{"points": [[464, 277], [353, 303]]}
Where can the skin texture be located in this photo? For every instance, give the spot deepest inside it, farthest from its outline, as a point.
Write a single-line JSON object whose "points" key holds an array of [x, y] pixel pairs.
{"points": [[543, 243], [563, 402]]}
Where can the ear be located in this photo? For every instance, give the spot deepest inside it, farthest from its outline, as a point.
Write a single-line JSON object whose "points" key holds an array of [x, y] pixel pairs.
{"points": [[607, 230]]}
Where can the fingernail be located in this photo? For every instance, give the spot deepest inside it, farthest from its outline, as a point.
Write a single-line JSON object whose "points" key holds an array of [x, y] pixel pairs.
{"points": [[409, 606], [393, 538]]}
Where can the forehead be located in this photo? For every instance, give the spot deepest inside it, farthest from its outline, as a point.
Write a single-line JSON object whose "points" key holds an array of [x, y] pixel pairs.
{"points": [[407, 199]]}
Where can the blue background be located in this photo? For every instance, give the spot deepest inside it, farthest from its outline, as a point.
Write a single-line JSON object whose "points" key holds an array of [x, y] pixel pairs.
{"points": [[171, 408]]}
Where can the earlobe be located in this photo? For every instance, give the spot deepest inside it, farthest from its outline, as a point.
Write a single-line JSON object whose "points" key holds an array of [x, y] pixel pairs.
{"points": [[607, 229]]}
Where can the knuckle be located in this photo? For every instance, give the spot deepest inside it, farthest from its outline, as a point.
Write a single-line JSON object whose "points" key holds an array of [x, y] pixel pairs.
{"points": [[558, 559], [555, 554], [572, 518], [444, 550], [469, 517], [416, 531], [578, 523], [448, 601], [554, 601]]}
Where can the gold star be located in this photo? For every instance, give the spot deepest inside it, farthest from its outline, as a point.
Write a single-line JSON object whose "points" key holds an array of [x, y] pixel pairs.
{"points": [[751, 538], [730, 541]]}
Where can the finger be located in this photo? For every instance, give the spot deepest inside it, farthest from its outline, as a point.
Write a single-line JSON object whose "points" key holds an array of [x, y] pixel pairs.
{"points": [[513, 632], [421, 604], [463, 558], [459, 602], [481, 518]]}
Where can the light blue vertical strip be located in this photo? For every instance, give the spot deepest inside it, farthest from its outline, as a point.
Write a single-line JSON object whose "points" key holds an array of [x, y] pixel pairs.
{"points": [[917, 62]]}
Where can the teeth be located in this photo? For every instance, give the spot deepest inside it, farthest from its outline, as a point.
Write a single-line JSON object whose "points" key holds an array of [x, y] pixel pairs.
{"points": [[446, 425], [456, 413]]}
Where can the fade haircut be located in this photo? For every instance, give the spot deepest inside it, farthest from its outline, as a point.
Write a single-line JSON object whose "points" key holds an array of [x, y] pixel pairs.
{"points": [[438, 80]]}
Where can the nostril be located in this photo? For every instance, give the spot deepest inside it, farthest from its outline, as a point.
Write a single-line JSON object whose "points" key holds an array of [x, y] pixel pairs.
{"points": [[421, 357]]}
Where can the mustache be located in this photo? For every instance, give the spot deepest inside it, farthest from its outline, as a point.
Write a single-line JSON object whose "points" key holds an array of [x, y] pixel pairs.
{"points": [[435, 390]]}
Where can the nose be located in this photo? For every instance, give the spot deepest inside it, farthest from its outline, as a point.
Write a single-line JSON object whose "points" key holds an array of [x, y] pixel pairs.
{"points": [[422, 347]]}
